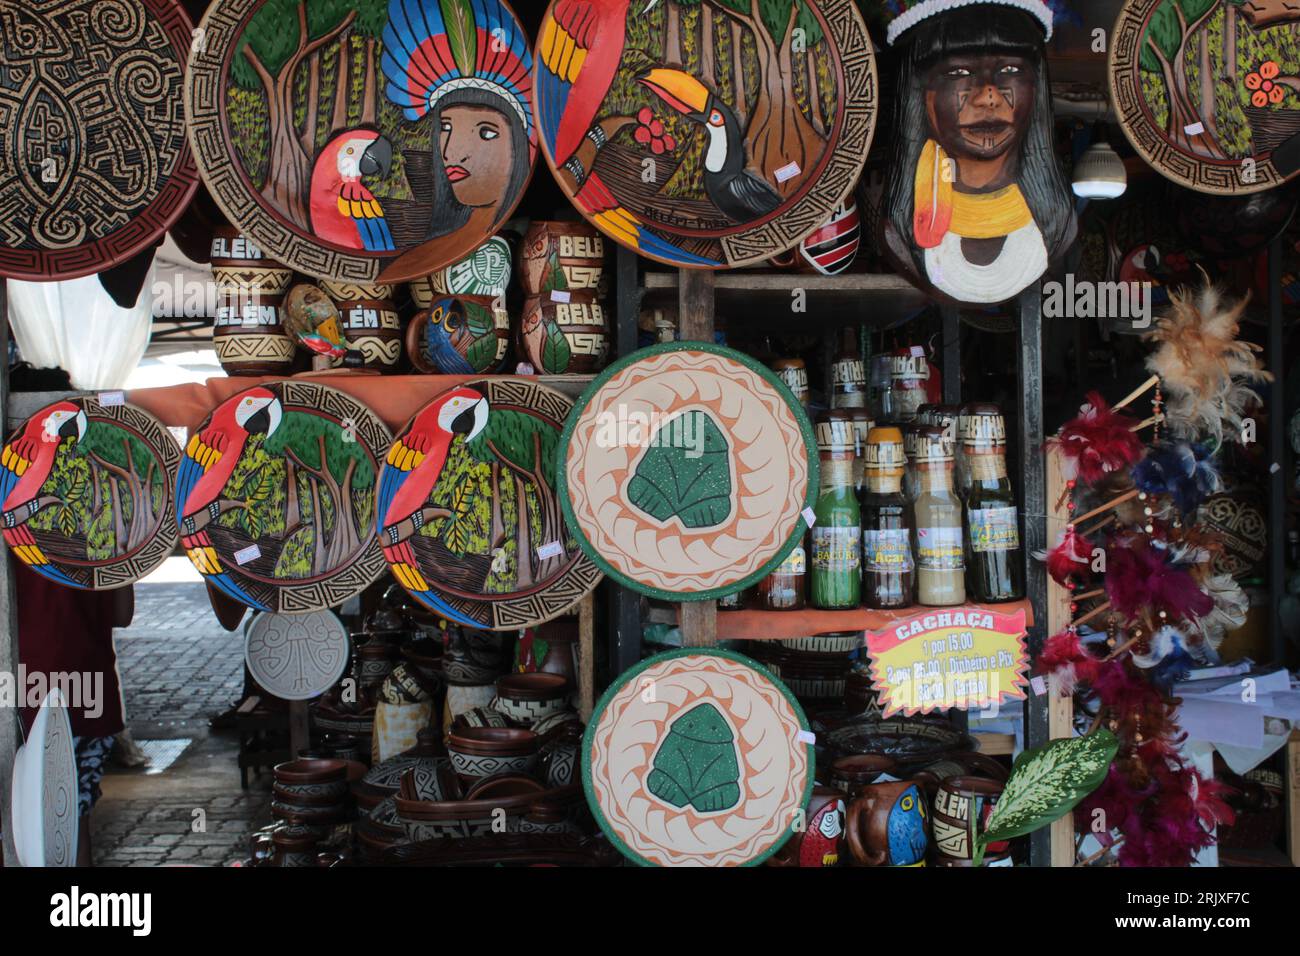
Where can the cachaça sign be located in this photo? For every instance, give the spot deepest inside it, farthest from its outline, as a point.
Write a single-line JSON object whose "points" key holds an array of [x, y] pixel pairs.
{"points": [[964, 658]]}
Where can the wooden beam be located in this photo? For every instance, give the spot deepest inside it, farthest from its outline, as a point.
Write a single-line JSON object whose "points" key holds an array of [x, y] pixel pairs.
{"points": [[8, 623], [695, 309], [1291, 783], [624, 603], [586, 656], [1060, 710]]}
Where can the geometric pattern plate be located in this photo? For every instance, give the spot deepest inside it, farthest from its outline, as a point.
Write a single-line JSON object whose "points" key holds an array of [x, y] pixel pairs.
{"points": [[94, 161], [468, 514], [698, 758], [688, 470], [45, 813], [86, 493], [706, 134], [297, 656], [1237, 132], [275, 497], [367, 141]]}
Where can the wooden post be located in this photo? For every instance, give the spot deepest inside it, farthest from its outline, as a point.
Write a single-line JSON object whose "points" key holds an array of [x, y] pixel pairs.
{"points": [[625, 604], [8, 619], [1291, 794], [586, 656], [1060, 710], [695, 307]]}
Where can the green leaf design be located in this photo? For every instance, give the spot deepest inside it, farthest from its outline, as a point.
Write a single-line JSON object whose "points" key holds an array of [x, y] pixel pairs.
{"points": [[481, 324], [556, 351], [696, 763], [67, 522], [685, 473], [460, 527], [459, 20], [1047, 783]]}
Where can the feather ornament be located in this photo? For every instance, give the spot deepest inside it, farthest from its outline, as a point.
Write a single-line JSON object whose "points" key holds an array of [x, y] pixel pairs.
{"points": [[1065, 658], [1231, 606], [1185, 472], [1070, 560], [1166, 659], [1142, 579], [1099, 442]]}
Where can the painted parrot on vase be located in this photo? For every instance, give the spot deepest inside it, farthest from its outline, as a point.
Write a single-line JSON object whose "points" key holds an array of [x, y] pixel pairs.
{"points": [[25, 466], [414, 464], [579, 52], [343, 210], [206, 467]]}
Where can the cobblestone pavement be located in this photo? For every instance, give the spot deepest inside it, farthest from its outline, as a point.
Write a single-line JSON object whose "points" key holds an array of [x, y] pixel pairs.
{"points": [[178, 667]]}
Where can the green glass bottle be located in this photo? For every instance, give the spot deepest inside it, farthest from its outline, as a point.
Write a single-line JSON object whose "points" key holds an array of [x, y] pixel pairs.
{"points": [[836, 537], [994, 562]]}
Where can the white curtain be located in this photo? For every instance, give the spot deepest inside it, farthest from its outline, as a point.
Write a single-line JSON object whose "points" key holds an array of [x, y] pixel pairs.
{"points": [[76, 326]]}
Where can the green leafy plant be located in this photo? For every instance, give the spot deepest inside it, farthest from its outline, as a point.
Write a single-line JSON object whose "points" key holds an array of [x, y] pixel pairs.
{"points": [[1046, 783]]}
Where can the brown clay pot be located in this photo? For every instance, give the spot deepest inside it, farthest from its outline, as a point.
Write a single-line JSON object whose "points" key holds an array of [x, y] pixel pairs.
{"points": [[960, 807], [373, 328], [478, 752], [564, 333], [249, 337], [574, 248], [887, 825], [527, 698], [852, 775], [239, 267]]}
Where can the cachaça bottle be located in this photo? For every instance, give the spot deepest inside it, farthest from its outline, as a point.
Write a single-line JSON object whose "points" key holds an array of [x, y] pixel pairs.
{"points": [[909, 378], [783, 589], [888, 570], [849, 375], [794, 373], [862, 425], [836, 570], [937, 516], [994, 561]]}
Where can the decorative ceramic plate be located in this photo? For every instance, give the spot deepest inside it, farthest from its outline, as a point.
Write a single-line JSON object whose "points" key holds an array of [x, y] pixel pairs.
{"points": [[1238, 133], [698, 758], [468, 515], [86, 493], [45, 813], [688, 469], [275, 497], [94, 165], [365, 140], [297, 656], [712, 152], [909, 740]]}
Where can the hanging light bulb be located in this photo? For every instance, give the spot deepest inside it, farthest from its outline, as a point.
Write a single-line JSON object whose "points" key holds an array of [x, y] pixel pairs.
{"points": [[1100, 173]]}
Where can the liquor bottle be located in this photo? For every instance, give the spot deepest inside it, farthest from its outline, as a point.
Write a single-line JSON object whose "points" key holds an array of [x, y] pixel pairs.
{"points": [[849, 375], [783, 589], [888, 569], [994, 562], [836, 570], [909, 377], [794, 373], [937, 517], [862, 425]]}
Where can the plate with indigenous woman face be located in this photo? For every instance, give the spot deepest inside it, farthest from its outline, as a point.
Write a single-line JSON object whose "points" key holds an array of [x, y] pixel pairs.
{"points": [[687, 470], [468, 515], [364, 140], [698, 758], [1208, 93], [95, 164], [709, 135], [275, 497], [86, 493]]}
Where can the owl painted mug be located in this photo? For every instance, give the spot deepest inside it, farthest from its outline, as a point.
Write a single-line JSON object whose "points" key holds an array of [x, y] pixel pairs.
{"points": [[887, 825], [459, 335]]}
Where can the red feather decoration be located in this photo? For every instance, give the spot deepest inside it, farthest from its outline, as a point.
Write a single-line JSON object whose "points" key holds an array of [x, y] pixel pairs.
{"points": [[1071, 559], [1140, 578], [1100, 442]]}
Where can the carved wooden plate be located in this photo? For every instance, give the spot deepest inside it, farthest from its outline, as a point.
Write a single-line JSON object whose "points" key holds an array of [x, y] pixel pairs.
{"points": [[86, 493], [449, 509], [367, 140], [688, 470], [45, 812], [707, 135], [297, 656], [698, 758], [275, 497], [94, 164], [1239, 133]]}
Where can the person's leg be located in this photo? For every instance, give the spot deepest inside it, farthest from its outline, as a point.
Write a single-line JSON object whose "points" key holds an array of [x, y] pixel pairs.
{"points": [[91, 753]]}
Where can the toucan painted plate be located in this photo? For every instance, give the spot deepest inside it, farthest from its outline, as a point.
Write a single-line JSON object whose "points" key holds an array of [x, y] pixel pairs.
{"points": [[297, 656], [275, 497], [368, 140], [688, 467], [95, 164], [468, 514], [45, 810], [86, 493], [1237, 133], [704, 135], [698, 758]]}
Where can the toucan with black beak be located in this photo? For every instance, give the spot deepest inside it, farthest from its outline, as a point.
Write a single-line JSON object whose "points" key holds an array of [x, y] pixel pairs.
{"points": [[738, 193]]}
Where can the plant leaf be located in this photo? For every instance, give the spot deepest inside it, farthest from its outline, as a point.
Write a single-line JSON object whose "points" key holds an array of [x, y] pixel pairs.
{"points": [[1047, 783], [556, 351], [685, 473]]}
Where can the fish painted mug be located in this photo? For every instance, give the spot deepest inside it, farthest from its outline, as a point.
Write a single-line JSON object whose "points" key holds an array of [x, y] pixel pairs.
{"points": [[888, 826]]}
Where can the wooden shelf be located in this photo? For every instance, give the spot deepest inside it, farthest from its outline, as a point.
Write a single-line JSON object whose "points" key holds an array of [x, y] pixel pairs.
{"points": [[785, 625], [995, 745]]}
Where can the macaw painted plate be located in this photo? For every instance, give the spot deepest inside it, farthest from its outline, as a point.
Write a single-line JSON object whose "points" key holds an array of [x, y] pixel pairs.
{"points": [[86, 493], [297, 656], [45, 811], [364, 140], [1239, 132], [698, 134], [275, 497], [688, 469], [449, 504], [95, 164], [698, 758]]}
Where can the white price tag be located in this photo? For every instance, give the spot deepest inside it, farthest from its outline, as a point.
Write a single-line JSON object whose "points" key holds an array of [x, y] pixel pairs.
{"points": [[806, 737], [110, 399], [552, 549], [810, 517], [525, 368], [1195, 129], [559, 295], [1039, 684], [787, 172], [251, 553]]}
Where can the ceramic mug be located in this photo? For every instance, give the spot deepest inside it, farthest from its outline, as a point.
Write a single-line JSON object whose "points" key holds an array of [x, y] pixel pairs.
{"points": [[459, 335], [564, 333], [820, 842], [961, 805], [887, 825], [562, 255], [851, 775]]}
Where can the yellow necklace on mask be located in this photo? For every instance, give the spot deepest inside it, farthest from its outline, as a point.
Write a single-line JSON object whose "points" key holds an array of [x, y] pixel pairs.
{"points": [[940, 209]]}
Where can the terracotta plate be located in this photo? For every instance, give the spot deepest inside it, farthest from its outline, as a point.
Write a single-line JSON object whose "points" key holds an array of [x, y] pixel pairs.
{"points": [[687, 472], [86, 493], [1238, 134], [297, 656], [711, 152], [94, 165], [698, 758], [449, 507], [275, 497], [377, 141]]}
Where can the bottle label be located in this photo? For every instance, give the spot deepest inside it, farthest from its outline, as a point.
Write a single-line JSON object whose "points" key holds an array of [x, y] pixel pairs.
{"points": [[994, 529], [836, 549], [939, 549], [888, 551], [796, 562]]}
